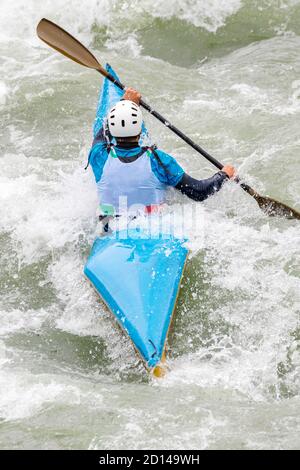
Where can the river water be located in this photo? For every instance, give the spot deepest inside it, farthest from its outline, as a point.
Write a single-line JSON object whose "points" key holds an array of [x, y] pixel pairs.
{"points": [[228, 74]]}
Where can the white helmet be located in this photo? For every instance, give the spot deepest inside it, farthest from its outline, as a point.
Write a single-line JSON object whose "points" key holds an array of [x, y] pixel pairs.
{"points": [[125, 119]]}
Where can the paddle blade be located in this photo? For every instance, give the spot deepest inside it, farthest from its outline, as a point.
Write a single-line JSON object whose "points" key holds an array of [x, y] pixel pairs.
{"points": [[275, 208], [270, 206], [63, 42]]}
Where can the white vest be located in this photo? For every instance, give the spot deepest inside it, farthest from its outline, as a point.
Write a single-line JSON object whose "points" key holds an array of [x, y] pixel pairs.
{"points": [[125, 184]]}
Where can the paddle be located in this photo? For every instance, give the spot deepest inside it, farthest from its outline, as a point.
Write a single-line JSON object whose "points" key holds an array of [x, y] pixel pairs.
{"points": [[67, 45]]}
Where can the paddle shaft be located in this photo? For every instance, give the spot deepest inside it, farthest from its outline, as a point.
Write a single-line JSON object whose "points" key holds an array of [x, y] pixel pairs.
{"points": [[169, 125], [180, 134], [193, 144], [268, 205]]}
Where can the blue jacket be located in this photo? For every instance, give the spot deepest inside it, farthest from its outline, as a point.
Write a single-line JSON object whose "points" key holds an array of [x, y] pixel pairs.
{"points": [[165, 168]]}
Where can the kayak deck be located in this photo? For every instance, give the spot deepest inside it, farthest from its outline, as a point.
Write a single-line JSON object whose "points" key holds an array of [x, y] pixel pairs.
{"points": [[138, 278]]}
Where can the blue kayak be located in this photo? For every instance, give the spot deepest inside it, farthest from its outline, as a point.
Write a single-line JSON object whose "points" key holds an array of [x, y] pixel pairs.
{"points": [[137, 276]]}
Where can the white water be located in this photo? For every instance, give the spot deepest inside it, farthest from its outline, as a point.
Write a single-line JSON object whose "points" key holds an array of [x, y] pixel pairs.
{"points": [[68, 378]]}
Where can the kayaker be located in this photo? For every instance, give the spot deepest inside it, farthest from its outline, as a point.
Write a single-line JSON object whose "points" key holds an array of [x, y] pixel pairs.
{"points": [[128, 174]]}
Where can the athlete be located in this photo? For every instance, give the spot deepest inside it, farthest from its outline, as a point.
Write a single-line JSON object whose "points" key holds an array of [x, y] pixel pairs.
{"points": [[128, 174]]}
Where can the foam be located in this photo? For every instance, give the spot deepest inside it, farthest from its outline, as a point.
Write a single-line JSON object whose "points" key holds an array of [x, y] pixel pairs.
{"points": [[18, 320], [4, 91], [209, 14], [39, 395]]}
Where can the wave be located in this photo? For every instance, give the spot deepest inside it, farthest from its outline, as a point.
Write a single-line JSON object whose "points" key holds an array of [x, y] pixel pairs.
{"points": [[182, 32]]}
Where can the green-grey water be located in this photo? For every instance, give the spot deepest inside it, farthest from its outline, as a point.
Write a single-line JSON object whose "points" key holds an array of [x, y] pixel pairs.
{"points": [[227, 74]]}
